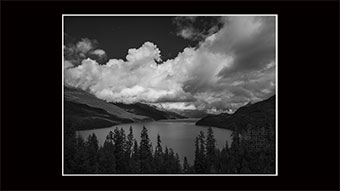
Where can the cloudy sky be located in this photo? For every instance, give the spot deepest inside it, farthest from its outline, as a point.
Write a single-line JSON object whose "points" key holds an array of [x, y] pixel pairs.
{"points": [[216, 64]]}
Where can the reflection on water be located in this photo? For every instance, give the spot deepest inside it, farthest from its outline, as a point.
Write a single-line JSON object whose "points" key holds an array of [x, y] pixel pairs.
{"points": [[176, 134]]}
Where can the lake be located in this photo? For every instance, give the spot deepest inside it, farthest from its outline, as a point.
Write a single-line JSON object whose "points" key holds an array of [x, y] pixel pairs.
{"points": [[177, 134]]}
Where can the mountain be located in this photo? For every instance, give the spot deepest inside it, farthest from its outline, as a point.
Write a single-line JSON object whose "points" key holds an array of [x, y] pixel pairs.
{"points": [[85, 117], [214, 120], [86, 111], [149, 111], [186, 113], [191, 113], [258, 114], [83, 97]]}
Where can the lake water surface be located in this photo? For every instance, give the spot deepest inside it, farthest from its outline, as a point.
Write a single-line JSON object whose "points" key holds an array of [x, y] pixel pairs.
{"points": [[177, 134]]}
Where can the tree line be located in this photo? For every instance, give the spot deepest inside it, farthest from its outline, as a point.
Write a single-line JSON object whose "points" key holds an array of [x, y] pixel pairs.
{"points": [[122, 154], [240, 158]]}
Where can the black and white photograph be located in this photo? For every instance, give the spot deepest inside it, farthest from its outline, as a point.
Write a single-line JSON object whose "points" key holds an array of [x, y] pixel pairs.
{"points": [[169, 95], [155, 94]]}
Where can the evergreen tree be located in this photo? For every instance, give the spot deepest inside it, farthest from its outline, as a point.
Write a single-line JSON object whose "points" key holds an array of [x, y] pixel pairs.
{"points": [[201, 139], [166, 161], [177, 165], [80, 163], [235, 158], [200, 163], [211, 149], [197, 161], [145, 152], [135, 162], [222, 164], [119, 150], [158, 150], [92, 153], [202, 144], [129, 150], [172, 163], [186, 166], [129, 143], [107, 163], [236, 140], [158, 156], [135, 150]]}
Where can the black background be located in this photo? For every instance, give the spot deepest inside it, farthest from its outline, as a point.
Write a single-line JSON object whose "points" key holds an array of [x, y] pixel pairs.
{"points": [[308, 65]]}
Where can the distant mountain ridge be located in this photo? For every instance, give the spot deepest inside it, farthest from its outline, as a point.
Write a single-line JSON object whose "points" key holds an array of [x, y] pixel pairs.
{"points": [[86, 111], [187, 113], [149, 111], [192, 113], [261, 113]]}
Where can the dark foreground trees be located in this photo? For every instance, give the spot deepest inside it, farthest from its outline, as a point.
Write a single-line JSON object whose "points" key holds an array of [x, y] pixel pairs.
{"points": [[251, 152], [120, 154]]}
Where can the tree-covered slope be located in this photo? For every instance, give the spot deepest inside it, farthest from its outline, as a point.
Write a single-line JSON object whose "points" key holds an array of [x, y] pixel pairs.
{"points": [[85, 117], [214, 120], [257, 114], [83, 97]]}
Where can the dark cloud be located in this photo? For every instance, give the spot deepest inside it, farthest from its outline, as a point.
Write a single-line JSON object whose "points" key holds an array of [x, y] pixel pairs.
{"points": [[253, 52], [197, 28], [250, 74]]}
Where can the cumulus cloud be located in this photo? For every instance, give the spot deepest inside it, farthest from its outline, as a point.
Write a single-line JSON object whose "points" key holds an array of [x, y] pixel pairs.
{"points": [[234, 64], [147, 51], [98, 52], [139, 78]]}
